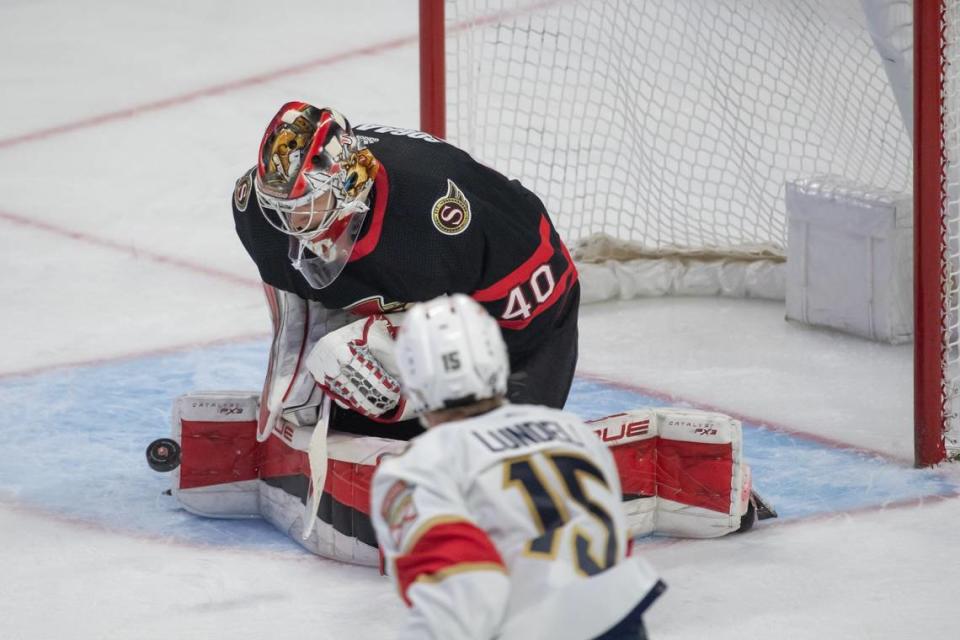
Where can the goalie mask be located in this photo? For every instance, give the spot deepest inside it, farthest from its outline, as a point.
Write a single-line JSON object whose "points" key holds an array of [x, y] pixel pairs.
{"points": [[313, 185], [450, 353]]}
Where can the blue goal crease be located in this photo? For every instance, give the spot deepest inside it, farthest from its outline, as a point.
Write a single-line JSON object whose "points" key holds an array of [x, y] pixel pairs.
{"points": [[75, 441]]}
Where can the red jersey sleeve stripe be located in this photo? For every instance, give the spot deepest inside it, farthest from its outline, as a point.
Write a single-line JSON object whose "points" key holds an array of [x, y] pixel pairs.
{"points": [[521, 274], [445, 549]]}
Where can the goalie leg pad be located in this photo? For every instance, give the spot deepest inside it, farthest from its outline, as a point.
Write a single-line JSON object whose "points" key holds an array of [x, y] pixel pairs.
{"points": [[289, 389], [681, 470], [225, 472], [343, 530], [217, 432]]}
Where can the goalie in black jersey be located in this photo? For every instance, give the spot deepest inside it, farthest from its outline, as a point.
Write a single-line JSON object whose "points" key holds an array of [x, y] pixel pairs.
{"points": [[349, 225], [348, 228]]}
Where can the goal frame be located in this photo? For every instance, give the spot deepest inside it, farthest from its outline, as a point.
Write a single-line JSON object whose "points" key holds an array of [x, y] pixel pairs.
{"points": [[931, 281], [931, 288]]}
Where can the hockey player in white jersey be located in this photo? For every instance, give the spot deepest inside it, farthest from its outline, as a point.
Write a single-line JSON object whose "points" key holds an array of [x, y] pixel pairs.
{"points": [[501, 521]]}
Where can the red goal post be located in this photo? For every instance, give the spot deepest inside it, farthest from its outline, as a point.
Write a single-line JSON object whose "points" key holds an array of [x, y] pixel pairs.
{"points": [[936, 40], [716, 104]]}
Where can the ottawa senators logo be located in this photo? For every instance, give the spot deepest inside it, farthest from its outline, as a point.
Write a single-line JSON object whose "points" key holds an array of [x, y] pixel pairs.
{"points": [[241, 193], [451, 213]]}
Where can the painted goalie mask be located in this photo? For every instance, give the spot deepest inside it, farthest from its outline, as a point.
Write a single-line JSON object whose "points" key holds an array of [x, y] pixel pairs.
{"points": [[313, 185]]}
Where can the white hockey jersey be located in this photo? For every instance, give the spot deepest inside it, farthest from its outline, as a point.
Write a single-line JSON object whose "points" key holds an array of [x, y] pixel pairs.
{"points": [[508, 525]]}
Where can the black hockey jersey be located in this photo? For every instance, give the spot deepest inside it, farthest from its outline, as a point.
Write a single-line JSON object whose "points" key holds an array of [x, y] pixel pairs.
{"points": [[439, 222]]}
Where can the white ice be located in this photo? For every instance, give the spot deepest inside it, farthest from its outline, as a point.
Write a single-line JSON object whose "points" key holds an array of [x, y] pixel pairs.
{"points": [[116, 240]]}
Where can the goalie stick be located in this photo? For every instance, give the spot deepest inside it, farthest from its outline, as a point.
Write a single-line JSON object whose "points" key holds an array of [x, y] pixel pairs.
{"points": [[317, 454]]}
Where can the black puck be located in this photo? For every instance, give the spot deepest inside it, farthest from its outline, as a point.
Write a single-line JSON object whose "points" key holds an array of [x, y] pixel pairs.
{"points": [[163, 455]]}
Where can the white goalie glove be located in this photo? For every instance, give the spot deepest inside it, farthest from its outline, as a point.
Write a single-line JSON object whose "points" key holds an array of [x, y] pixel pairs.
{"points": [[356, 366]]}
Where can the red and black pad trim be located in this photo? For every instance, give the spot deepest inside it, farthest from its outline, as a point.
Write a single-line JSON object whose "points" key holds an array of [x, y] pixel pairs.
{"points": [[342, 517], [345, 503]]}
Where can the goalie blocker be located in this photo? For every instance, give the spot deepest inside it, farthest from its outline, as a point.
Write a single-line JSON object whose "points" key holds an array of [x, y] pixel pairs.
{"points": [[681, 470]]}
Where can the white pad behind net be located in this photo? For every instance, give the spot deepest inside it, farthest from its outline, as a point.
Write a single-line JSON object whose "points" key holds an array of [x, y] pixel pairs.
{"points": [[672, 122]]}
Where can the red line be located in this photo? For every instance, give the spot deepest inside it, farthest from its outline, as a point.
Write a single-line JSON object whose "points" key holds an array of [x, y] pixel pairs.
{"points": [[766, 424], [160, 351], [918, 501], [219, 89], [258, 79], [11, 503], [814, 518], [295, 554], [37, 224]]}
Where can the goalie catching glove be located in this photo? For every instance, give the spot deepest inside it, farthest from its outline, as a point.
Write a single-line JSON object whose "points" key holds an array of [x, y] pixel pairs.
{"points": [[356, 366]]}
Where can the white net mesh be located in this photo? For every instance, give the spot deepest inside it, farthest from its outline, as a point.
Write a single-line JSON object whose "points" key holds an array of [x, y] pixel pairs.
{"points": [[672, 122], [951, 221]]}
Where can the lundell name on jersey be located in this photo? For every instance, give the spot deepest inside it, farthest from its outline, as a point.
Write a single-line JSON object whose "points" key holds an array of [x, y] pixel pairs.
{"points": [[523, 434]]}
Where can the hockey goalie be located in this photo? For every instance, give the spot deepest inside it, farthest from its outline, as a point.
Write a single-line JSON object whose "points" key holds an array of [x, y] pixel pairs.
{"points": [[348, 226], [276, 455]]}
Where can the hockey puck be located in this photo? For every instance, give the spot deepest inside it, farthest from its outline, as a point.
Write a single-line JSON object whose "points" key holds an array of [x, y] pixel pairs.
{"points": [[163, 455]]}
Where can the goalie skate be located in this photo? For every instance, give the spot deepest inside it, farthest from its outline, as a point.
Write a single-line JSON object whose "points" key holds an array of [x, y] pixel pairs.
{"points": [[757, 509]]}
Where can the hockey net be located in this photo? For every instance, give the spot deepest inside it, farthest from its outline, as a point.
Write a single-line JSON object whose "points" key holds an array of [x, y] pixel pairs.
{"points": [[673, 123], [667, 129]]}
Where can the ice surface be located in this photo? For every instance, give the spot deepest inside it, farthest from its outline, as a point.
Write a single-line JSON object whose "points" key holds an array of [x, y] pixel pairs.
{"points": [[131, 267]]}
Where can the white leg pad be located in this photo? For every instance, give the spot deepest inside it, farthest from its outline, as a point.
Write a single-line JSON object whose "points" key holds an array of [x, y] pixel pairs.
{"points": [[217, 434], [682, 470]]}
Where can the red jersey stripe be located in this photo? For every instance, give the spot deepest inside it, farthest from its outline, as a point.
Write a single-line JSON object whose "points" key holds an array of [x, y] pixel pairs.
{"points": [[521, 274], [446, 548]]}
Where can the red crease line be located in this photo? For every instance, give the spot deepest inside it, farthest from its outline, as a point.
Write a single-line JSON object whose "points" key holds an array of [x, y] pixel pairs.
{"points": [[760, 422], [261, 78], [135, 252], [227, 87], [124, 357]]}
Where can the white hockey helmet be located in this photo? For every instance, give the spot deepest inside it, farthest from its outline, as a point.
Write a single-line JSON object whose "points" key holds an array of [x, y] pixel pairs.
{"points": [[450, 353]]}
